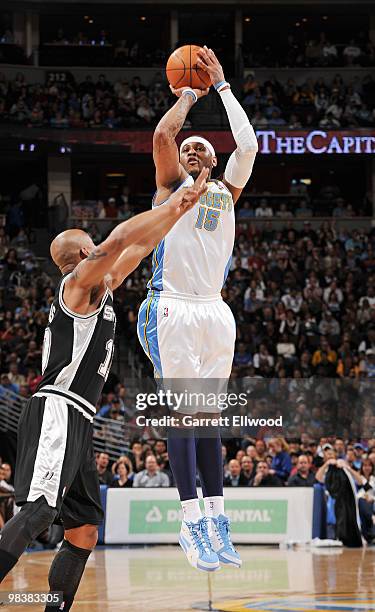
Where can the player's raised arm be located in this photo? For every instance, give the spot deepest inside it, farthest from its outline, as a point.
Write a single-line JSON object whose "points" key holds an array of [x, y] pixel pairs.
{"points": [[240, 163], [90, 272], [168, 168], [164, 219]]}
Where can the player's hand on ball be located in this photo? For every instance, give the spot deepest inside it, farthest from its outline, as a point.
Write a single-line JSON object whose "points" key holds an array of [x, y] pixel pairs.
{"points": [[199, 92], [209, 63]]}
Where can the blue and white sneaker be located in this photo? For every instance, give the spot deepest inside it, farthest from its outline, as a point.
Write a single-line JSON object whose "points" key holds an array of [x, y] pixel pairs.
{"points": [[221, 542], [195, 542]]}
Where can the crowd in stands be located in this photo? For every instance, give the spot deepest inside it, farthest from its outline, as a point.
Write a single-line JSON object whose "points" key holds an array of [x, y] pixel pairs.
{"points": [[102, 104], [327, 202], [99, 104], [305, 49], [297, 49], [327, 104], [124, 51], [248, 463]]}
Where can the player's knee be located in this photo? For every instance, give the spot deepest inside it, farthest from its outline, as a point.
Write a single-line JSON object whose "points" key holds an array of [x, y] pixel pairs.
{"points": [[37, 516], [28, 524], [85, 536]]}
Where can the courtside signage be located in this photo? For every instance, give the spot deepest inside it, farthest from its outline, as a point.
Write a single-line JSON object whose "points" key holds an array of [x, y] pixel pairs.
{"points": [[247, 516], [259, 515]]}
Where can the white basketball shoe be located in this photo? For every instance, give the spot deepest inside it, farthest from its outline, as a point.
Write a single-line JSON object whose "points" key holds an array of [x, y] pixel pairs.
{"points": [[195, 542]]}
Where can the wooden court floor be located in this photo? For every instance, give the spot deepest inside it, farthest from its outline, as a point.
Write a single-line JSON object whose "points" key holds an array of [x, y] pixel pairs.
{"points": [[159, 579]]}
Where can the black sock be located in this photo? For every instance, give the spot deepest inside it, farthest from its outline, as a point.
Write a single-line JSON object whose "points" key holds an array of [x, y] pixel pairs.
{"points": [[7, 561], [66, 573], [210, 462], [182, 460]]}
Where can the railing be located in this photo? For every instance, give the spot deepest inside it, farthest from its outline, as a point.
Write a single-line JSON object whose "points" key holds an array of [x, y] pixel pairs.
{"points": [[110, 436], [11, 406]]}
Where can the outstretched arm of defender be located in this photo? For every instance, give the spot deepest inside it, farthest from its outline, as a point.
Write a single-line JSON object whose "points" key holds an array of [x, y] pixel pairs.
{"points": [[240, 163], [91, 271], [165, 218], [168, 168]]}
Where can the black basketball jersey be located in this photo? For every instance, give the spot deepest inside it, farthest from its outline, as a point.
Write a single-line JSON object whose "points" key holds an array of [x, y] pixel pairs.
{"points": [[78, 349]]}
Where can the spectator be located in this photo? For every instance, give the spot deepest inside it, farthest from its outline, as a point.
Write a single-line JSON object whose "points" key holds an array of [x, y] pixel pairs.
{"points": [[351, 53], [263, 210], [242, 358], [102, 462], [151, 476], [263, 477], [366, 500], [281, 464], [329, 53], [303, 477], [247, 471], [245, 211], [233, 479], [122, 481], [359, 450]]}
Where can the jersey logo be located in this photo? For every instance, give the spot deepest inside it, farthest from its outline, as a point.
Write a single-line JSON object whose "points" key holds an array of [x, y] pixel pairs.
{"points": [[52, 312], [108, 313], [165, 311], [48, 475]]}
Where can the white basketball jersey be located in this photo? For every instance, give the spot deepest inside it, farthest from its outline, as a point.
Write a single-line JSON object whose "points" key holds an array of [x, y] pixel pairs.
{"points": [[194, 257]]}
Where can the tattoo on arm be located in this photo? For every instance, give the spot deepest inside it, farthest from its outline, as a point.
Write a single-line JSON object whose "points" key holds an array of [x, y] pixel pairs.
{"points": [[175, 122], [96, 254]]}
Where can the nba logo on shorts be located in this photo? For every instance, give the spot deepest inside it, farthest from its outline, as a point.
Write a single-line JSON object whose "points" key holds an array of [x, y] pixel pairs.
{"points": [[165, 311]]}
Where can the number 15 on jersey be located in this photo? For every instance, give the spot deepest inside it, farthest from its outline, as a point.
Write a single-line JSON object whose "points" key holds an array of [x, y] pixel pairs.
{"points": [[207, 219]]}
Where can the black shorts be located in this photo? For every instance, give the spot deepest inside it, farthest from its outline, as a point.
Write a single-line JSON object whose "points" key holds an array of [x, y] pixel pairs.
{"points": [[55, 459]]}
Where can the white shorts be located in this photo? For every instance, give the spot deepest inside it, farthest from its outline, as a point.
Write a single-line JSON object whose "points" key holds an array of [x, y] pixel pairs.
{"points": [[187, 336]]}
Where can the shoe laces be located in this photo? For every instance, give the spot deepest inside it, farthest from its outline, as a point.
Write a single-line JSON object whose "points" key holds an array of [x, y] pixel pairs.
{"points": [[224, 531], [199, 533]]}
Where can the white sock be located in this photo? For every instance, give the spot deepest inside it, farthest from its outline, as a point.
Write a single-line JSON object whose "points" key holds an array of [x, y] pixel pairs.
{"points": [[213, 506], [191, 510]]}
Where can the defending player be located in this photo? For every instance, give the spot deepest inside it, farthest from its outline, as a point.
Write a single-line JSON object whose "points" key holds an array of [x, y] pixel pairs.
{"points": [[56, 473], [184, 326]]}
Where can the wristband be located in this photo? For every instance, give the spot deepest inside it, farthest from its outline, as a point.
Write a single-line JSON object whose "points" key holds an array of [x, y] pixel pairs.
{"points": [[190, 92], [221, 85]]}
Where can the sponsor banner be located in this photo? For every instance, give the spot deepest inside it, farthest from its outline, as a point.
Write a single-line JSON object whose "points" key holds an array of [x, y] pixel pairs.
{"points": [[317, 142], [257, 515], [271, 141], [247, 516]]}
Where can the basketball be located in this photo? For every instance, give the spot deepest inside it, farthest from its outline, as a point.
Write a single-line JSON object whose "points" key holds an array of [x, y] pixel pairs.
{"points": [[182, 69]]}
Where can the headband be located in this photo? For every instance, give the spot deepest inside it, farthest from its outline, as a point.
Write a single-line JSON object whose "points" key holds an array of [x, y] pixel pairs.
{"points": [[203, 141]]}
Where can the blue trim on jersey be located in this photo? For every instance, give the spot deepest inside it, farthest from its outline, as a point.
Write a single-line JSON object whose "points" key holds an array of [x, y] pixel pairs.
{"points": [[226, 271], [147, 328], [156, 280]]}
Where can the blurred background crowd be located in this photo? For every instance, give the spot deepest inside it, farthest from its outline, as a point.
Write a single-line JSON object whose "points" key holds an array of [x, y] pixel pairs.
{"points": [[102, 103]]}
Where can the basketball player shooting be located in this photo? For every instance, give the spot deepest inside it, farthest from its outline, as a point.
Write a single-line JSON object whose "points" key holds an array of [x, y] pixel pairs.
{"points": [[56, 474], [184, 326]]}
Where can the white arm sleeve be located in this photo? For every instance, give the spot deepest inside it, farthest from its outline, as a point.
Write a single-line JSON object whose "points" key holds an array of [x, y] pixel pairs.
{"points": [[240, 164]]}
